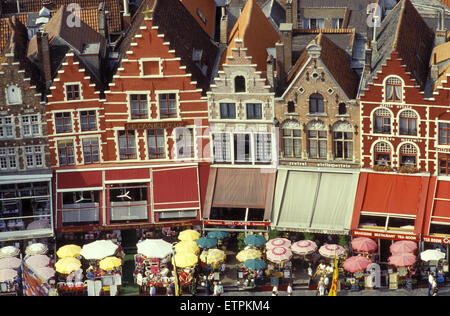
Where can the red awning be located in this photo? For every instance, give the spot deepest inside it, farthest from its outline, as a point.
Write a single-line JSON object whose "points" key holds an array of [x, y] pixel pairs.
{"points": [[391, 195], [78, 179], [175, 188], [438, 206]]}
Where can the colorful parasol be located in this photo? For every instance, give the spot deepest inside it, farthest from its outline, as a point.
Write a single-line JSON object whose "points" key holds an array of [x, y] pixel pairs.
{"points": [[189, 235], [10, 263], [207, 242], [67, 265], [255, 240], [331, 250], [184, 259], [304, 247], [364, 244], [7, 275], [255, 264], [187, 246], [278, 254], [248, 254], [215, 256], [99, 249], [403, 246], [356, 263], [69, 251], [38, 261], [402, 259], [155, 248], [278, 242], [110, 263]]}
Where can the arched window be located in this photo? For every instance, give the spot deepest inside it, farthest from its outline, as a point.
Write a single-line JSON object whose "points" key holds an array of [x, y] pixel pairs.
{"points": [[239, 84], [316, 103], [408, 156], [13, 95], [382, 154], [317, 140], [408, 123], [382, 121], [292, 140], [343, 141], [394, 90]]}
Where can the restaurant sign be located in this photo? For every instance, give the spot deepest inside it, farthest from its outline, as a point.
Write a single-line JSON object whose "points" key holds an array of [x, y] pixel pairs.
{"points": [[235, 223], [437, 240], [154, 125], [384, 235]]}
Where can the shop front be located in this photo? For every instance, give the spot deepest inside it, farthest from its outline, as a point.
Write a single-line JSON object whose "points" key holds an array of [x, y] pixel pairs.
{"points": [[314, 201], [389, 208], [239, 199], [127, 197]]}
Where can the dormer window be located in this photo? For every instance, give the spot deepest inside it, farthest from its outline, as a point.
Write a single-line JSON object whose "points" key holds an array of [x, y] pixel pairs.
{"points": [[239, 84], [394, 90], [13, 95]]}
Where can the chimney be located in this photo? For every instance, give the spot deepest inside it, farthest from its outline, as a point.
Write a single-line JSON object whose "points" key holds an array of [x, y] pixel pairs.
{"points": [[126, 18], [102, 23], [281, 74], [434, 71], [43, 48], [270, 72], [286, 39], [224, 27], [289, 16]]}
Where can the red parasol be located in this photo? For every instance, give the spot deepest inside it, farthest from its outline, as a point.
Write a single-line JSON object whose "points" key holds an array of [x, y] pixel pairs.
{"points": [[364, 244]]}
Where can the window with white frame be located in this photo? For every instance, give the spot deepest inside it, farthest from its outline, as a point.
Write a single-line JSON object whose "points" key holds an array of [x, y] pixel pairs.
{"points": [[343, 141], [156, 144], [63, 122], [167, 105], [292, 140], [127, 144], [66, 152], [33, 156], [88, 120], [317, 140], [222, 147], [382, 154], [30, 125], [185, 142], [138, 106], [382, 121], [313, 23], [90, 150], [8, 158], [6, 127], [80, 207], [242, 148], [73, 92], [408, 156], [408, 123], [263, 148], [13, 95], [394, 90]]}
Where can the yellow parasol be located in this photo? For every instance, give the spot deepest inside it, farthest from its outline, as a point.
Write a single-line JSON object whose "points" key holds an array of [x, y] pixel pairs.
{"points": [[215, 256], [189, 234], [248, 254], [187, 246], [109, 263], [67, 265], [185, 259], [69, 251]]}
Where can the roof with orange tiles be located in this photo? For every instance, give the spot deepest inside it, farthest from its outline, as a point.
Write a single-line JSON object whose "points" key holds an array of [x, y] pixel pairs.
{"points": [[403, 30], [446, 2], [257, 34], [5, 30], [204, 11], [336, 61], [112, 6]]}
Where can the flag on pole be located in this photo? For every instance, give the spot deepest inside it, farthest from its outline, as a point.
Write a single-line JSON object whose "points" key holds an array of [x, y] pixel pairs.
{"points": [[333, 289]]}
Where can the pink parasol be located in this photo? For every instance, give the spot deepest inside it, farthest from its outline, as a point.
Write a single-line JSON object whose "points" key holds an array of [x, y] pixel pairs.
{"points": [[304, 247], [403, 246], [356, 263], [10, 263], [45, 273], [331, 250], [402, 259], [278, 242], [364, 244], [7, 275], [279, 254], [38, 261]]}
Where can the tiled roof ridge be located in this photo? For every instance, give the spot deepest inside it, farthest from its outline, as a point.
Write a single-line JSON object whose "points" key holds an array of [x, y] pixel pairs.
{"points": [[329, 31]]}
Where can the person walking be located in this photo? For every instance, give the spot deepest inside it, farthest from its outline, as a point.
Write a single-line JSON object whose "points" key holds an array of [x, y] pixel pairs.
{"points": [[430, 282], [275, 291], [434, 287], [216, 289], [321, 287], [219, 289], [289, 289]]}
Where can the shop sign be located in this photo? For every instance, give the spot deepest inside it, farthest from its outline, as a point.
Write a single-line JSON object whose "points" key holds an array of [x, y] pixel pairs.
{"points": [[149, 125], [436, 240], [235, 223], [382, 235]]}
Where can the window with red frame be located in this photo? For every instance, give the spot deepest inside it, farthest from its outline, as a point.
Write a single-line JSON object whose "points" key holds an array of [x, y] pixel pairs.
{"points": [[382, 121], [444, 164], [444, 133], [90, 150], [63, 122], [139, 106], [73, 92], [408, 156], [168, 105], [127, 144], [66, 153], [88, 120], [408, 123], [156, 143]]}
